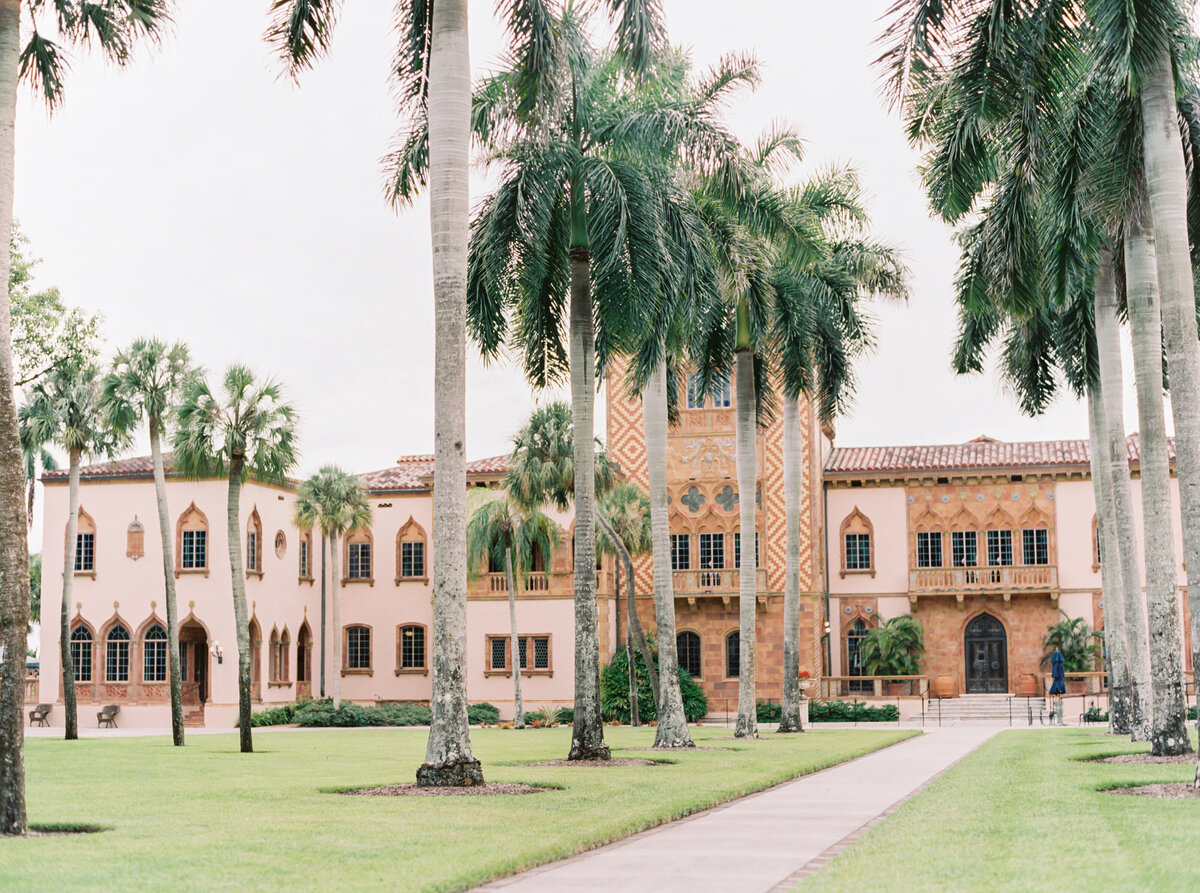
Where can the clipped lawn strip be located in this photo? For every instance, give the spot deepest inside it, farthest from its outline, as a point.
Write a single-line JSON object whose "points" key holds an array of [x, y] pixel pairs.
{"points": [[1145, 759], [1023, 793], [614, 763], [269, 816], [490, 789]]}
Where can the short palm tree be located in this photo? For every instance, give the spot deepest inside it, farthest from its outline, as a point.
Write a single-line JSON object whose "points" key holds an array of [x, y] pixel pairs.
{"points": [[64, 407], [334, 501], [145, 384], [500, 534], [1075, 639], [114, 26], [246, 429], [34, 456], [894, 648]]}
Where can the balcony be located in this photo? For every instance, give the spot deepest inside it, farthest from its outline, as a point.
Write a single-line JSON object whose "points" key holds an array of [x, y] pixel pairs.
{"points": [[723, 582], [932, 580], [537, 583]]}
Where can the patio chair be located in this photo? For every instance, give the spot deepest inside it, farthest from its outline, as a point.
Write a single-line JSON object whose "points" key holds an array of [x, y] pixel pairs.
{"points": [[108, 716], [39, 713]]}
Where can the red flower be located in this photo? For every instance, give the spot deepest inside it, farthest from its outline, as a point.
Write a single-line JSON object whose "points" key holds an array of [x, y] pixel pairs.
{"points": [[804, 674]]}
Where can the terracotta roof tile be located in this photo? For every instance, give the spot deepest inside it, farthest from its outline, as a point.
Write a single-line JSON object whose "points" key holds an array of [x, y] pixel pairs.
{"points": [[134, 467]]}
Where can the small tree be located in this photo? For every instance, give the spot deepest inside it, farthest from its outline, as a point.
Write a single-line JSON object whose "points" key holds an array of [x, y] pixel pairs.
{"points": [[1076, 640], [894, 648]]}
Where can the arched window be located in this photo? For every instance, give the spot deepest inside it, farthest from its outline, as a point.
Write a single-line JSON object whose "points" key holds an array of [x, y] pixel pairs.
{"points": [[154, 654], [135, 540], [254, 535], [1095, 543], [255, 655], [273, 662], [304, 654], [81, 653], [358, 554], [191, 542], [410, 649], [688, 645], [85, 544], [304, 571], [733, 654], [410, 552], [855, 633], [116, 659], [858, 544], [358, 649], [279, 664]]}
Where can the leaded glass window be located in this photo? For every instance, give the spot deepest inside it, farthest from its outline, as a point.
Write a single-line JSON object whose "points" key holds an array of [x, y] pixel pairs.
{"points": [[541, 653], [154, 655], [712, 555], [681, 559], [81, 653], [412, 647], [252, 551], [499, 653], [687, 644], [360, 561], [1035, 546], [304, 556], [116, 662], [195, 550], [858, 551], [358, 648], [964, 548], [929, 550], [723, 397], [412, 559], [85, 552], [999, 548], [733, 654]]}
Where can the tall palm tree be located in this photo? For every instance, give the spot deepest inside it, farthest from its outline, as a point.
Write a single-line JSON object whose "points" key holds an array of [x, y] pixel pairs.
{"points": [[113, 25], [433, 71], [64, 407], [334, 501], [145, 384], [34, 456], [246, 429], [500, 533]]}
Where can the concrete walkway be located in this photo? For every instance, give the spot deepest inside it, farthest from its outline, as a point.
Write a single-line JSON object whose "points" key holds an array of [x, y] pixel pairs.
{"points": [[765, 841]]}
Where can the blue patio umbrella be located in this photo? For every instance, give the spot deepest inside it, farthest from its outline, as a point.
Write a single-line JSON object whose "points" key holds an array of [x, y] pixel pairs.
{"points": [[1058, 686]]}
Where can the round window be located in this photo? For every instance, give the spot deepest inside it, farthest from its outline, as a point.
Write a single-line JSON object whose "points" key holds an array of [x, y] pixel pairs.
{"points": [[280, 544]]}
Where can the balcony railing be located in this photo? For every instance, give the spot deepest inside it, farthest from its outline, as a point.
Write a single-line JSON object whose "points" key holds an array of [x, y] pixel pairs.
{"points": [[834, 687], [968, 579], [31, 688], [540, 582], [721, 581]]}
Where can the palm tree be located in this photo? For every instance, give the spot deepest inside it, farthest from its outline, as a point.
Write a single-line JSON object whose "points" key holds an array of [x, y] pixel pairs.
{"points": [[64, 407], [500, 533], [433, 72], [335, 501], [34, 456], [145, 384], [246, 429], [625, 531], [113, 25]]}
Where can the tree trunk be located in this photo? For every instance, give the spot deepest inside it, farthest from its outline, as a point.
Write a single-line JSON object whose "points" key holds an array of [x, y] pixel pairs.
{"points": [[1115, 463], [448, 757], [1168, 735], [587, 733], [747, 475], [168, 564], [793, 455], [672, 730], [1167, 189], [1120, 717], [241, 619], [324, 622], [14, 552], [514, 643], [635, 623], [635, 706], [336, 604], [64, 632]]}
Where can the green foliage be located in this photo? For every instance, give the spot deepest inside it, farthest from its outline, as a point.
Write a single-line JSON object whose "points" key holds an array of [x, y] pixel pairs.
{"points": [[1095, 714], [542, 466], [483, 713], [334, 501], [545, 717], [627, 509], [320, 714], [499, 525], [1080, 646], [35, 587], [895, 647], [769, 712], [851, 711], [282, 715], [614, 690]]}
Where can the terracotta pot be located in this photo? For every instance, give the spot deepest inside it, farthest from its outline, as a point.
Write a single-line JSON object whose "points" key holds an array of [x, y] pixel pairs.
{"points": [[895, 689], [944, 686], [1076, 686], [1027, 685]]}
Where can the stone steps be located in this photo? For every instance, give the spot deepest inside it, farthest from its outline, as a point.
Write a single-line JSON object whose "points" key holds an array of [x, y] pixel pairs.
{"points": [[982, 708]]}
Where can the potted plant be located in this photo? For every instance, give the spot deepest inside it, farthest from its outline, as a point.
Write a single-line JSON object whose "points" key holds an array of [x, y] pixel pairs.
{"points": [[1079, 644], [894, 648], [805, 683]]}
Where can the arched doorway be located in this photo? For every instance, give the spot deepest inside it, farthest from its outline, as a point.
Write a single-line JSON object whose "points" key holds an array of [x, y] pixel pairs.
{"points": [[986, 650], [193, 662], [854, 639]]}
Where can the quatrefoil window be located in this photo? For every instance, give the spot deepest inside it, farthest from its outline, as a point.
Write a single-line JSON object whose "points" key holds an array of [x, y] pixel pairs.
{"points": [[693, 499], [727, 498]]}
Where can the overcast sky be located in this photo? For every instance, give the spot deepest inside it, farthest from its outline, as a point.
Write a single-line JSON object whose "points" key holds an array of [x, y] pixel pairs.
{"points": [[197, 195]]}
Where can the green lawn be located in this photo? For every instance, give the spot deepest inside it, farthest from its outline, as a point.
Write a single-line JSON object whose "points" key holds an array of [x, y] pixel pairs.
{"points": [[1023, 813], [205, 815]]}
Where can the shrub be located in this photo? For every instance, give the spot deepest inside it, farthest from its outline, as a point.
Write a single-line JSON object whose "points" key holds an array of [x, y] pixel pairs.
{"points": [[275, 716], [768, 712], [851, 711], [614, 690], [894, 648], [483, 714], [320, 714]]}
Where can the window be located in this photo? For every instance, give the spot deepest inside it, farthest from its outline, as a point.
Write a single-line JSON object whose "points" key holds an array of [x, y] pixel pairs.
{"points": [[733, 654], [722, 398], [304, 654], [541, 652], [712, 555], [737, 550], [499, 653], [412, 648], [681, 559], [999, 548], [695, 397], [358, 648], [412, 559], [252, 551], [195, 549], [687, 644], [191, 542], [858, 551], [1035, 546], [154, 654], [278, 663], [305, 570], [116, 663], [81, 653], [964, 545], [929, 550], [359, 567], [280, 544], [85, 552], [854, 639]]}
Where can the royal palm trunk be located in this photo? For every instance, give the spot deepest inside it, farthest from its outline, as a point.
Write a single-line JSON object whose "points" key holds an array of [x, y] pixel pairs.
{"points": [[1115, 466], [168, 565], [747, 475], [793, 455], [514, 642], [1168, 734], [14, 552], [336, 605], [636, 633], [241, 617], [1119, 707], [448, 757], [64, 629], [1167, 189], [324, 622], [672, 730]]}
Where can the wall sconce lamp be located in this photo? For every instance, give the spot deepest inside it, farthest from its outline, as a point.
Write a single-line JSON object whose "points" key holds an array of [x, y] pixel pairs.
{"points": [[215, 651]]}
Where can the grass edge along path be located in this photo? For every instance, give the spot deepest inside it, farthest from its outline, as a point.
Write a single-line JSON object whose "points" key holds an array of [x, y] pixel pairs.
{"points": [[1026, 811], [207, 816]]}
